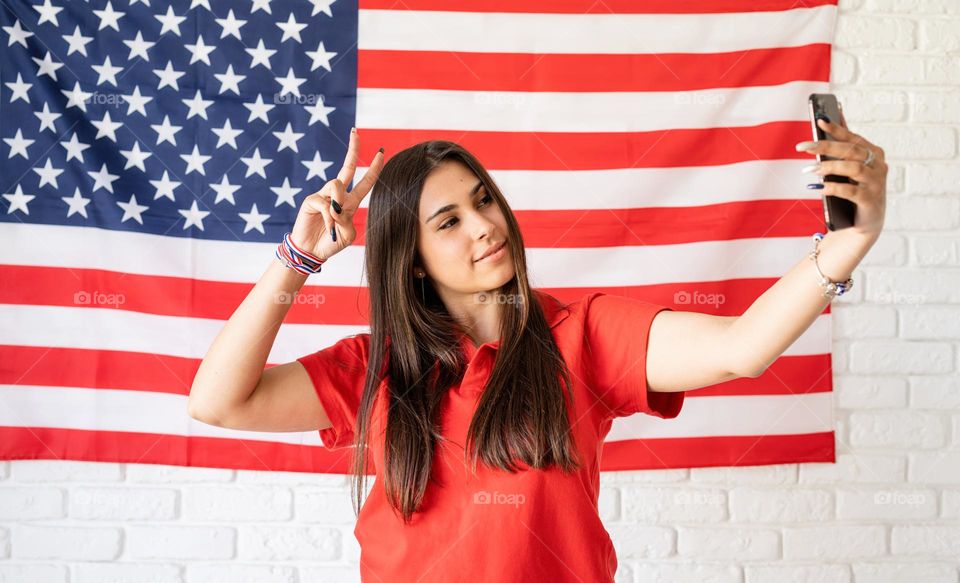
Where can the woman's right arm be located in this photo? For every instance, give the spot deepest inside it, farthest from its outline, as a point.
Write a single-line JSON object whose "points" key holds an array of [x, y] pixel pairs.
{"points": [[232, 388]]}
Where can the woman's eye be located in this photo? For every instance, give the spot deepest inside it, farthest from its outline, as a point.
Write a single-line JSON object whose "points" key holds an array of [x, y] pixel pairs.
{"points": [[487, 199]]}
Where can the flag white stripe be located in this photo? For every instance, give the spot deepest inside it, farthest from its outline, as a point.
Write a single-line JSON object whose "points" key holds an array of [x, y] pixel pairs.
{"points": [[146, 412], [414, 30], [245, 262], [108, 329], [506, 111]]}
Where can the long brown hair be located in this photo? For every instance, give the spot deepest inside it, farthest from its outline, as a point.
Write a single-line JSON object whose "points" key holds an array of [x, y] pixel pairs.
{"points": [[522, 412]]}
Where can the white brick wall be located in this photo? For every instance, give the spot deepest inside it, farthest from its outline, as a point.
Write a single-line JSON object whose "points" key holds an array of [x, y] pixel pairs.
{"points": [[888, 511]]}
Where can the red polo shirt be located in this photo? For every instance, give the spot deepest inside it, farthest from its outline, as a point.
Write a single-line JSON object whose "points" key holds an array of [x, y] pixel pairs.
{"points": [[497, 526]]}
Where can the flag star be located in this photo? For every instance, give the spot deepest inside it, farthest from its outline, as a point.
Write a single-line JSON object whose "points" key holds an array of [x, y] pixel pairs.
{"points": [[48, 13], [18, 145], [164, 187], [74, 148], [135, 157], [107, 72], [77, 97], [256, 164], [17, 34], [48, 174], [139, 47], [229, 81], [254, 220], [198, 105], [290, 84], [321, 58], [195, 161], [285, 193], [227, 135], [106, 127], [19, 89], [47, 118], [170, 22], [166, 131], [321, 6], [137, 102], [109, 17], [288, 138], [316, 167], [19, 201], [291, 29], [200, 51], [204, 3], [78, 204], [230, 25], [318, 112], [194, 216], [261, 5], [169, 76], [132, 210], [103, 179], [78, 43], [260, 55], [259, 109], [46, 66], [145, 2], [225, 190]]}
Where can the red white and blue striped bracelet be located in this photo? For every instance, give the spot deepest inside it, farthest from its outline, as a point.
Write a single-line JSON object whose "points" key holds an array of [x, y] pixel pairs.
{"points": [[296, 258]]}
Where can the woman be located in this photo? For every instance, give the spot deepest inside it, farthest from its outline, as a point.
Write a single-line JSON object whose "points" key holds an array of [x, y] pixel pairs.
{"points": [[485, 418]]}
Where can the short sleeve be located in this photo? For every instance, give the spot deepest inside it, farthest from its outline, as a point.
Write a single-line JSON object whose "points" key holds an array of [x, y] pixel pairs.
{"points": [[338, 373], [616, 331]]}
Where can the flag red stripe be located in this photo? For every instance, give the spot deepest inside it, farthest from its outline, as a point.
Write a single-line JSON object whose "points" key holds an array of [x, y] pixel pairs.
{"points": [[607, 150], [469, 71], [138, 371], [593, 7], [335, 305], [149, 448]]}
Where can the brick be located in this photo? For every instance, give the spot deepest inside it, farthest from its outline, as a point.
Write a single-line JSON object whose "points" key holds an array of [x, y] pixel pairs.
{"points": [[939, 35], [100, 572], [879, 105], [926, 541], [855, 31], [4, 543], [33, 573], [950, 508], [66, 543], [889, 250], [913, 6], [313, 543], [123, 504], [695, 572], [935, 392], [609, 504], [797, 573], [936, 251], [336, 507], [633, 541], [934, 467], [884, 505], [754, 505], [882, 356], [907, 70], [870, 392], [49, 471], [231, 573], [933, 178], [18, 504], [912, 287], [237, 503], [922, 212], [180, 542], [931, 323], [673, 505], [836, 542], [897, 429], [863, 321], [905, 572], [777, 474], [735, 544], [940, 107], [331, 574], [843, 67]]}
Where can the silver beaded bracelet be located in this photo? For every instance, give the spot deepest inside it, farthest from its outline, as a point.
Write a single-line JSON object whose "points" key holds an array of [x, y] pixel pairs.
{"points": [[831, 288]]}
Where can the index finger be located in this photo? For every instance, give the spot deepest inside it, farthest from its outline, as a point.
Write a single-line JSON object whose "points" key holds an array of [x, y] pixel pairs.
{"points": [[370, 178], [350, 162]]}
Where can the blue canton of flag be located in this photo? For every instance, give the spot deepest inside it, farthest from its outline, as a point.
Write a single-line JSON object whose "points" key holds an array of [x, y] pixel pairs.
{"points": [[208, 119]]}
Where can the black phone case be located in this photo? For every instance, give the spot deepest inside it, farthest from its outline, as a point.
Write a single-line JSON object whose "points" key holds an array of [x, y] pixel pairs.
{"points": [[838, 213]]}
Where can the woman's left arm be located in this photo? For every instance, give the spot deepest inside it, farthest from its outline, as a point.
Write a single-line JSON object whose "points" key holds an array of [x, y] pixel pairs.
{"points": [[688, 351]]}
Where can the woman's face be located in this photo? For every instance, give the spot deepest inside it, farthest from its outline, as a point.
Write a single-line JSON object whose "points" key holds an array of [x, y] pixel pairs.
{"points": [[468, 224]]}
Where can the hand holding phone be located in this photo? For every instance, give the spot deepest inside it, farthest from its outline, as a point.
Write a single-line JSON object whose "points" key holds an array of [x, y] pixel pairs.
{"points": [[838, 213]]}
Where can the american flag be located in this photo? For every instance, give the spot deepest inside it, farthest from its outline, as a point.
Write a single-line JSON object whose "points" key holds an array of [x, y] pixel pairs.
{"points": [[154, 153]]}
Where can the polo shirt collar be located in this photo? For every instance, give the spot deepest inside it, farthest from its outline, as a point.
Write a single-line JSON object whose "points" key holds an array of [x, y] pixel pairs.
{"points": [[553, 311]]}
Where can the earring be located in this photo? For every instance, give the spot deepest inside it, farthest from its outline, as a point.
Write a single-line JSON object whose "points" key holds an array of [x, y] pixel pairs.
{"points": [[421, 275]]}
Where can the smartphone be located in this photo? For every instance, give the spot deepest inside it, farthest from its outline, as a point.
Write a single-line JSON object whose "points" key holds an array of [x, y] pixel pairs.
{"points": [[838, 213]]}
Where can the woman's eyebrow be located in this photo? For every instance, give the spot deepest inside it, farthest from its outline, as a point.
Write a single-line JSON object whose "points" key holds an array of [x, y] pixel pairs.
{"points": [[449, 207]]}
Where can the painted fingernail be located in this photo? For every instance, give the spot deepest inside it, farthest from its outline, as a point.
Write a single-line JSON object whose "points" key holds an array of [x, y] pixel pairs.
{"points": [[336, 206], [380, 150], [810, 168], [815, 186], [333, 234], [801, 146], [353, 130]]}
